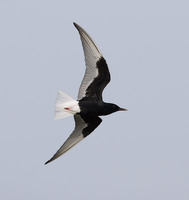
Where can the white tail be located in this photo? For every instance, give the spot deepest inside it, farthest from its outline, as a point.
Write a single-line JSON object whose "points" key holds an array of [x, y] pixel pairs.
{"points": [[65, 106]]}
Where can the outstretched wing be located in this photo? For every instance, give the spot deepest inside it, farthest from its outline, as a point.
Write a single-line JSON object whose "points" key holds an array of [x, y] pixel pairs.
{"points": [[83, 127], [97, 74]]}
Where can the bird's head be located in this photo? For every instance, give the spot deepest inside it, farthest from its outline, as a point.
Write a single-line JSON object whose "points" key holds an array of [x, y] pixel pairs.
{"points": [[111, 108]]}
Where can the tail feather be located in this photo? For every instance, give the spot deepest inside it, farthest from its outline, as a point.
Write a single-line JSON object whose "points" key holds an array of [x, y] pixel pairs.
{"points": [[63, 101]]}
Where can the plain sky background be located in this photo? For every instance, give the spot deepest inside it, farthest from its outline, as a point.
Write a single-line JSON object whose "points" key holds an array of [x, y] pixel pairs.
{"points": [[142, 154]]}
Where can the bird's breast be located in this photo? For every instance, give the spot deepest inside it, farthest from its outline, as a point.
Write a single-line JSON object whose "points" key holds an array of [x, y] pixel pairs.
{"points": [[90, 108]]}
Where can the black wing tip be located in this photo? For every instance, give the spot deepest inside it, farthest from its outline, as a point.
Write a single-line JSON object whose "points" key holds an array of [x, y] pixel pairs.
{"points": [[48, 161], [53, 158], [76, 25], [79, 28]]}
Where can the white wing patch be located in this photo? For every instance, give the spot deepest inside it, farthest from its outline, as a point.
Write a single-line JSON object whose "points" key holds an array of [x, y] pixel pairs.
{"points": [[92, 55]]}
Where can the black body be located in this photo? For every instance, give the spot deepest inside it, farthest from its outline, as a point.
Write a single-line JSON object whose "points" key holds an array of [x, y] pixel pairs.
{"points": [[97, 108]]}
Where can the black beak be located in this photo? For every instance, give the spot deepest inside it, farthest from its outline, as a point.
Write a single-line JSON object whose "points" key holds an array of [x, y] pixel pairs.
{"points": [[122, 109]]}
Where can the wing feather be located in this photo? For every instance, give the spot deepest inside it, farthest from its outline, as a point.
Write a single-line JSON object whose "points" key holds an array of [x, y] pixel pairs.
{"points": [[92, 57], [83, 127], [73, 139]]}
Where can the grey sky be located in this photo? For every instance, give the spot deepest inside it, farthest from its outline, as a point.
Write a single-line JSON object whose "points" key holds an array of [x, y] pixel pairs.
{"points": [[139, 154]]}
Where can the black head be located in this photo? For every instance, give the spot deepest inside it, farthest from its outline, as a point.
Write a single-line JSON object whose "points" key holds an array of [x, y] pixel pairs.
{"points": [[111, 108]]}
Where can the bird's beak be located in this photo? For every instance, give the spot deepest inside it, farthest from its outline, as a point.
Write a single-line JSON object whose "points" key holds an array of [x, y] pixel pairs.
{"points": [[122, 109]]}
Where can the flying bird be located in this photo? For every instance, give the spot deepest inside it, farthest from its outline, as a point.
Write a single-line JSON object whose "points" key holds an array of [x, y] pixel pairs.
{"points": [[89, 105]]}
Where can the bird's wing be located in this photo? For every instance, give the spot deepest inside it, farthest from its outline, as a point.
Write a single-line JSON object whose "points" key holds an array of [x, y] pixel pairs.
{"points": [[97, 74], [83, 127]]}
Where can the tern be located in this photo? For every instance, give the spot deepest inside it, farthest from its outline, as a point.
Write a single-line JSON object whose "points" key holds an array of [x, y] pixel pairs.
{"points": [[89, 105]]}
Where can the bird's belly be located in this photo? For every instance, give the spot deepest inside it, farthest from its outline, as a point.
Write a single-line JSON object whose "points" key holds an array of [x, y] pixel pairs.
{"points": [[90, 108]]}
